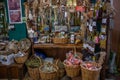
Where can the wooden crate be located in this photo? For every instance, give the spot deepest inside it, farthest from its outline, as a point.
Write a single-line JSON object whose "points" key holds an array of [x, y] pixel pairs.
{"points": [[14, 71]]}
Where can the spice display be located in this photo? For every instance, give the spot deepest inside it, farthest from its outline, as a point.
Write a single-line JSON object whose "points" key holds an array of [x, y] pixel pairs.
{"points": [[64, 24]]}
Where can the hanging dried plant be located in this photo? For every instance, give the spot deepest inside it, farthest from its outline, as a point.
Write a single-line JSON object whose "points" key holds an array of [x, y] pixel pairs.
{"points": [[34, 9], [26, 9], [86, 3], [63, 2], [109, 9]]}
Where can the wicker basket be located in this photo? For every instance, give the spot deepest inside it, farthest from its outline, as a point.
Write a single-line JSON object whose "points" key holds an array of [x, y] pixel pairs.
{"points": [[90, 74], [61, 72], [72, 71], [25, 45], [21, 59], [60, 40], [48, 75], [34, 70], [33, 73]]}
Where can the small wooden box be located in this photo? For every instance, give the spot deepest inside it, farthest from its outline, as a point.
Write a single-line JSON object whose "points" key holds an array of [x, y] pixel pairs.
{"points": [[13, 71]]}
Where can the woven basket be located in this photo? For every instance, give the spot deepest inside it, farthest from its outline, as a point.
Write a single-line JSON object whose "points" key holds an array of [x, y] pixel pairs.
{"points": [[90, 74], [21, 59], [33, 73], [25, 45], [61, 73], [72, 71], [60, 40], [34, 70], [61, 70], [48, 75]]}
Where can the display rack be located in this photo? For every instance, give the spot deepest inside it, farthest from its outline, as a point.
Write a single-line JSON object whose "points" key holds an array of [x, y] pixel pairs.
{"points": [[50, 16]]}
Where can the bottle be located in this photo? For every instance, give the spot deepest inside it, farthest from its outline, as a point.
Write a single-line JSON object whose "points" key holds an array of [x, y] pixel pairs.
{"points": [[72, 38]]}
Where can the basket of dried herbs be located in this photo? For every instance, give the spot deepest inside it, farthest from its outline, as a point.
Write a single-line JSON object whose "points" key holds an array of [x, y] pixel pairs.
{"points": [[33, 65]]}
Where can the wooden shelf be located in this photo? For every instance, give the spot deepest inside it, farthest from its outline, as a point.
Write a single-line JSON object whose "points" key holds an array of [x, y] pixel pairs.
{"points": [[37, 46], [13, 71], [56, 50], [12, 65]]}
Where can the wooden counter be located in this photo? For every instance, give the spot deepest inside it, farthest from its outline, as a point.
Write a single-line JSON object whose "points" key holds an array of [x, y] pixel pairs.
{"points": [[57, 46], [56, 50], [13, 71]]}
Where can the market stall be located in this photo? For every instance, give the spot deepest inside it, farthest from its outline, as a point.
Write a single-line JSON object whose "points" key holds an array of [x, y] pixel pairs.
{"points": [[67, 38]]}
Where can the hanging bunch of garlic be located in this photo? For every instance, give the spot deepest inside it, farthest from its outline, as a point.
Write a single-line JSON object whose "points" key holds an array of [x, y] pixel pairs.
{"points": [[35, 7]]}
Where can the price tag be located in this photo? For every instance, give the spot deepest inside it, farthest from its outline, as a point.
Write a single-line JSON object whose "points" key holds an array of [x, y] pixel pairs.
{"points": [[104, 20]]}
